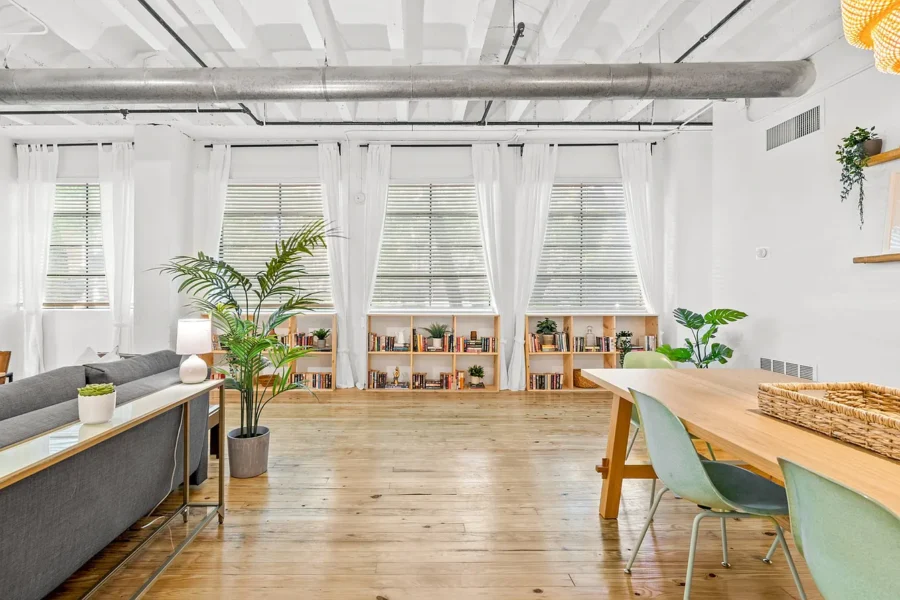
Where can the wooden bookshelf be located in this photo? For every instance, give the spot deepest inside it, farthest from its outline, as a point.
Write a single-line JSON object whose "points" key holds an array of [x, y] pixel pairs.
{"points": [[321, 361], [565, 362], [431, 363]]}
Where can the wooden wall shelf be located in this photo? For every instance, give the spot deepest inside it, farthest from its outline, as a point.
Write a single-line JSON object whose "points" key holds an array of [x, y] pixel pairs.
{"points": [[878, 258], [883, 158]]}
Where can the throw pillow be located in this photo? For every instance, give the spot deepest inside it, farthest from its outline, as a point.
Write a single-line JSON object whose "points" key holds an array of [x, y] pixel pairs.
{"points": [[87, 357]]}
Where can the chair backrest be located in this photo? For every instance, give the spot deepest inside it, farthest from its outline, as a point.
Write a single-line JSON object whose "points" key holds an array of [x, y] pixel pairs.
{"points": [[4, 361], [851, 543], [647, 360], [673, 455]]}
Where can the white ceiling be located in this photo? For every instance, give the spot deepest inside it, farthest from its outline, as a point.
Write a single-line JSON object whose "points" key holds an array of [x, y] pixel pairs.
{"points": [[122, 33]]}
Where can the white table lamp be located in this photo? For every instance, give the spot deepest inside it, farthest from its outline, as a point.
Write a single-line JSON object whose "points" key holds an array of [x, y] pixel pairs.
{"points": [[194, 337]]}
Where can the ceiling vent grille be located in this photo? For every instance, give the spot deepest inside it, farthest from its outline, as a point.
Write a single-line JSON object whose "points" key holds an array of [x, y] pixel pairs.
{"points": [[795, 128], [788, 368]]}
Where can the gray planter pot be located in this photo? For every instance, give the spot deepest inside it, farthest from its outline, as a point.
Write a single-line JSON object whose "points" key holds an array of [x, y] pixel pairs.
{"points": [[548, 338], [248, 457], [320, 344], [872, 147]]}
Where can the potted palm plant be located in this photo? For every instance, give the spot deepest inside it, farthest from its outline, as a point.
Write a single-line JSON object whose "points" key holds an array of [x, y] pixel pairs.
{"points": [[320, 335], [546, 329], [247, 310], [437, 332]]}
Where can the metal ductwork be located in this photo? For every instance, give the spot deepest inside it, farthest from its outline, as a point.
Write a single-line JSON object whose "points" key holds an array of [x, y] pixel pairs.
{"points": [[532, 82]]}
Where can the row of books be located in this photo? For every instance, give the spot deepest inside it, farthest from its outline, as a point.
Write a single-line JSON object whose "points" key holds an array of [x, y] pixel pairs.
{"points": [[377, 379], [300, 339], [315, 381], [385, 343], [484, 344], [601, 344], [546, 381], [560, 343]]}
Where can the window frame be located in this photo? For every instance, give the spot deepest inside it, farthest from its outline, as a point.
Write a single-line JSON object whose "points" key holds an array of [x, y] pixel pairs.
{"points": [[323, 307], [589, 311], [78, 305], [425, 311]]}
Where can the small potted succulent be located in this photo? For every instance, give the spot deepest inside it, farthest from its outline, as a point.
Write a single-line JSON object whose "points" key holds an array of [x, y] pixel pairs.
{"points": [[321, 334], [476, 373], [546, 329], [437, 331], [96, 403]]}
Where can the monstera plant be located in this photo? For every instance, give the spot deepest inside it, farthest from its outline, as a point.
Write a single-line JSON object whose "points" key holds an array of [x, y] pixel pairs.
{"points": [[700, 348]]}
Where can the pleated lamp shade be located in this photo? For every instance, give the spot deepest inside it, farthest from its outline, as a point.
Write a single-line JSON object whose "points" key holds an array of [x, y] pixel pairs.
{"points": [[874, 25]]}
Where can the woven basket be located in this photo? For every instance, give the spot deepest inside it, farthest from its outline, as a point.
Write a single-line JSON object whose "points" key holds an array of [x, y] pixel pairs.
{"points": [[580, 381], [858, 413]]}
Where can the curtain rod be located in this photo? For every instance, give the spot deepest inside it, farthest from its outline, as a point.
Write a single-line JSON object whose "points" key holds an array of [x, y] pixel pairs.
{"points": [[70, 144]]}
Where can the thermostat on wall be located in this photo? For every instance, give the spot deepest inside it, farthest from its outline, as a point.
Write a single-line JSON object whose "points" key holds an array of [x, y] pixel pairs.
{"points": [[762, 253]]}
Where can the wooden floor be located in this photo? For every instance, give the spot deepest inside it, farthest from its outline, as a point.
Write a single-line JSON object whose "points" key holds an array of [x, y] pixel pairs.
{"points": [[446, 496]]}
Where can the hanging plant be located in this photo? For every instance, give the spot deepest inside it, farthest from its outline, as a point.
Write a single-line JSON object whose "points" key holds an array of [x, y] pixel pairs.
{"points": [[853, 153]]}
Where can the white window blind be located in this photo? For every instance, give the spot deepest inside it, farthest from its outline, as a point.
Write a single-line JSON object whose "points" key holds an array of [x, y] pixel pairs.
{"points": [[587, 261], [76, 273], [432, 254], [258, 215]]}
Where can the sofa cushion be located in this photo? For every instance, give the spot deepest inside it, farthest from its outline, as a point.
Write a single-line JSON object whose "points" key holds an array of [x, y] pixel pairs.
{"points": [[36, 422], [130, 369], [40, 391]]}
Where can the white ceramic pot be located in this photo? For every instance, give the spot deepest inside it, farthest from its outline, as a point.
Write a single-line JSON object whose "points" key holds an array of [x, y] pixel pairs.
{"points": [[93, 410], [437, 343], [475, 380], [320, 344]]}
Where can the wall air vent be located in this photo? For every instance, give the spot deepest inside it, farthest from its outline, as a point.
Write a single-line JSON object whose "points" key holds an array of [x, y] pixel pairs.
{"points": [[795, 128], [788, 368]]}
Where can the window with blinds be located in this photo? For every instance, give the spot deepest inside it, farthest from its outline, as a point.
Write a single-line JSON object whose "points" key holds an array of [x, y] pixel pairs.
{"points": [[258, 215], [432, 254], [76, 273], [587, 261]]}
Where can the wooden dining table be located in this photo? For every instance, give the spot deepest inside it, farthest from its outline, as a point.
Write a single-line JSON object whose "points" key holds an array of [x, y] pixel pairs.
{"points": [[720, 407]]}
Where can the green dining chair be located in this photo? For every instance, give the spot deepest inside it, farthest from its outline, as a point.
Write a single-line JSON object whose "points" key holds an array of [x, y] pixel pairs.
{"points": [[722, 490], [850, 542], [648, 360]]}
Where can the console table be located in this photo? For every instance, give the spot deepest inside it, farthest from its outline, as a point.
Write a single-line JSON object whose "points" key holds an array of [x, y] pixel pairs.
{"points": [[40, 452]]}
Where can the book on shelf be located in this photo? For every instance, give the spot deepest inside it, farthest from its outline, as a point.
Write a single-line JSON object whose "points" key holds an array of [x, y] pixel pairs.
{"points": [[477, 346], [377, 379], [546, 381], [460, 380], [314, 381], [383, 343], [560, 343], [401, 385], [601, 344], [418, 381]]}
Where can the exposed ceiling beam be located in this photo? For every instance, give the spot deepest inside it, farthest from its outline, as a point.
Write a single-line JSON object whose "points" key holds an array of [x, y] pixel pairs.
{"points": [[136, 19], [232, 21], [333, 43], [477, 33], [412, 29]]}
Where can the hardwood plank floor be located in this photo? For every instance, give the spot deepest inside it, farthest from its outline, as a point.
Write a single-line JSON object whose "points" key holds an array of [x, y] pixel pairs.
{"points": [[400, 496]]}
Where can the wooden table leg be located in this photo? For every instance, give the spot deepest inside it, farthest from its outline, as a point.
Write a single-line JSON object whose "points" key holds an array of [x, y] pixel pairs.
{"points": [[616, 446]]}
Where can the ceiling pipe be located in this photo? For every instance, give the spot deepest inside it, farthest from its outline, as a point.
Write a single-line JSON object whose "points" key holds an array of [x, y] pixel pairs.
{"points": [[520, 31], [687, 81]]}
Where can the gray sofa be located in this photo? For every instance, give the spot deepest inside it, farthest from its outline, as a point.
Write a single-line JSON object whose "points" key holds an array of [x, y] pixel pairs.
{"points": [[54, 521]]}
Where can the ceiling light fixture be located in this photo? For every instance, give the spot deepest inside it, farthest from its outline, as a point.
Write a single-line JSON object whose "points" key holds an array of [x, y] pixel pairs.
{"points": [[874, 25]]}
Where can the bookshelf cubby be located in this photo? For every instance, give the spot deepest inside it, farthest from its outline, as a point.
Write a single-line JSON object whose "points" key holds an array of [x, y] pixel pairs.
{"points": [[566, 361], [316, 362], [434, 363]]}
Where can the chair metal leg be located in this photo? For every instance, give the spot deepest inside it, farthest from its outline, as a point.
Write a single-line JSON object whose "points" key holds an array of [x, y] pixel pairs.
{"points": [[790, 560], [695, 532], [652, 496], [725, 562], [771, 552], [640, 540], [637, 430]]}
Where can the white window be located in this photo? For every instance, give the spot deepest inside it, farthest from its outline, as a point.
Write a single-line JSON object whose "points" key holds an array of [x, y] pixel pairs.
{"points": [[432, 255], [587, 261], [76, 272], [258, 215]]}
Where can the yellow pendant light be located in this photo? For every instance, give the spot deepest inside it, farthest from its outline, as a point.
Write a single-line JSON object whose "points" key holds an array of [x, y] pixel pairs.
{"points": [[874, 25]]}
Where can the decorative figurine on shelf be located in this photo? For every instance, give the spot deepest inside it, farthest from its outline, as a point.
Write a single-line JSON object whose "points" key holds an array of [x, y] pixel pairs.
{"points": [[590, 340], [400, 339], [396, 375], [623, 345], [473, 335]]}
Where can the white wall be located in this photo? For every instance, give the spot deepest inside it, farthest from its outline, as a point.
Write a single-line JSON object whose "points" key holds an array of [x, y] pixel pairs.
{"points": [[11, 326], [808, 302]]}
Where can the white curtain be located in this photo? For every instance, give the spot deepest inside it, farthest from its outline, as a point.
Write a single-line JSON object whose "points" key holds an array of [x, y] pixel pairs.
{"points": [[488, 190], [209, 215], [334, 203], [535, 184], [117, 220], [36, 190], [637, 181], [375, 189]]}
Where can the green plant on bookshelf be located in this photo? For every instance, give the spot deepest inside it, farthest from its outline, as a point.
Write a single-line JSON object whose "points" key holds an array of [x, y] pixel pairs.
{"points": [[235, 303], [546, 329], [476, 374], [437, 331], [320, 335], [623, 345], [699, 351]]}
